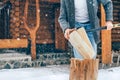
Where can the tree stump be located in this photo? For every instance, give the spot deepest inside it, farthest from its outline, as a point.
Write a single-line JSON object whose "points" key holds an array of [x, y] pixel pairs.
{"points": [[84, 69]]}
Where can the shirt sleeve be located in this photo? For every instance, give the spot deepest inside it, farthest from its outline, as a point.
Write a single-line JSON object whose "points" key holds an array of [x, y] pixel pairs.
{"points": [[63, 16], [108, 6]]}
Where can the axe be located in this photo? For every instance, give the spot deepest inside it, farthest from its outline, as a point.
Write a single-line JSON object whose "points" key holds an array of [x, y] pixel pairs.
{"points": [[102, 28], [80, 41]]}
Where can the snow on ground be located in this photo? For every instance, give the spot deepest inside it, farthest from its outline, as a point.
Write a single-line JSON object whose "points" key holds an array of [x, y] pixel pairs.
{"points": [[42, 73], [109, 74], [53, 73]]}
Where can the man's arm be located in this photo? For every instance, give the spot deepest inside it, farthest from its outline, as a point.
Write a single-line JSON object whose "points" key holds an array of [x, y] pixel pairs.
{"points": [[63, 20], [108, 6], [63, 16]]}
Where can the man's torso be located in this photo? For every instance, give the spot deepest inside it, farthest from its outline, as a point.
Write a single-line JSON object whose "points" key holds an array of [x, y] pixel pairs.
{"points": [[81, 11]]}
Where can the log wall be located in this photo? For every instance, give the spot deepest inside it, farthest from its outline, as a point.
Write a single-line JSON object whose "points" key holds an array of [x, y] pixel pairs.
{"points": [[116, 11], [47, 16], [47, 30], [45, 34]]}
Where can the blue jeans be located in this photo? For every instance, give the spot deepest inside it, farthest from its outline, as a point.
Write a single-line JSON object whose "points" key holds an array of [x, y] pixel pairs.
{"points": [[91, 38]]}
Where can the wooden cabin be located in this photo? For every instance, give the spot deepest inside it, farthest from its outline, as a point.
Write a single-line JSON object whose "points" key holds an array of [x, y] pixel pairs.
{"points": [[49, 36], [116, 31]]}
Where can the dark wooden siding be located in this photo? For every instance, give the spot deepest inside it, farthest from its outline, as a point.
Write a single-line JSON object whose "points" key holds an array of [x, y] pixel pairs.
{"points": [[116, 14], [49, 31]]}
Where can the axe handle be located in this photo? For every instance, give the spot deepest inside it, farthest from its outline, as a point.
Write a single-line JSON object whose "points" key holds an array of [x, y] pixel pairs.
{"points": [[97, 29], [102, 28]]}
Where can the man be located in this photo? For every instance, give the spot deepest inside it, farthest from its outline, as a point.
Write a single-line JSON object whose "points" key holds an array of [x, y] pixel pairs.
{"points": [[83, 13]]}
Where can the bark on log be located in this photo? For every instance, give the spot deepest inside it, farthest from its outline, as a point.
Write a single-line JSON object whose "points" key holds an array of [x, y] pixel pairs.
{"points": [[84, 69]]}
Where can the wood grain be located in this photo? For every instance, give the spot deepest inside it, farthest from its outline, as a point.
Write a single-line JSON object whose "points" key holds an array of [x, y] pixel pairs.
{"points": [[84, 69], [106, 41], [13, 43], [81, 42]]}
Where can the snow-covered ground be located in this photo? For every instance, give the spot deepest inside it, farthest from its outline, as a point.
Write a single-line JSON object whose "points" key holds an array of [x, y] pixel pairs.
{"points": [[53, 73], [109, 74]]}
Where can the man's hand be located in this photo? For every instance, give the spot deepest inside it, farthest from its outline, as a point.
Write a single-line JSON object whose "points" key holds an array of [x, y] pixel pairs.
{"points": [[109, 25], [67, 33]]}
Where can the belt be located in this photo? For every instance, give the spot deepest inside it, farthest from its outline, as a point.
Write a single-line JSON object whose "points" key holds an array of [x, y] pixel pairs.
{"points": [[86, 22]]}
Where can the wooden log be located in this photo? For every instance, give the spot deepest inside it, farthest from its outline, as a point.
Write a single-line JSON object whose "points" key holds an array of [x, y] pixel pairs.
{"points": [[17, 9], [43, 31], [45, 41], [17, 14], [24, 36], [106, 41], [12, 25], [16, 19], [51, 1], [72, 69], [13, 43], [80, 41], [116, 36], [16, 3], [83, 69], [24, 31], [11, 15], [17, 35], [17, 24], [12, 11], [40, 37], [115, 40], [12, 1], [16, 29]]}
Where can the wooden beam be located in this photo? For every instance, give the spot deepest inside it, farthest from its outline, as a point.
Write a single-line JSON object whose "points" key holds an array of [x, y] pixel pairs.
{"points": [[13, 43], [106, 40]]}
